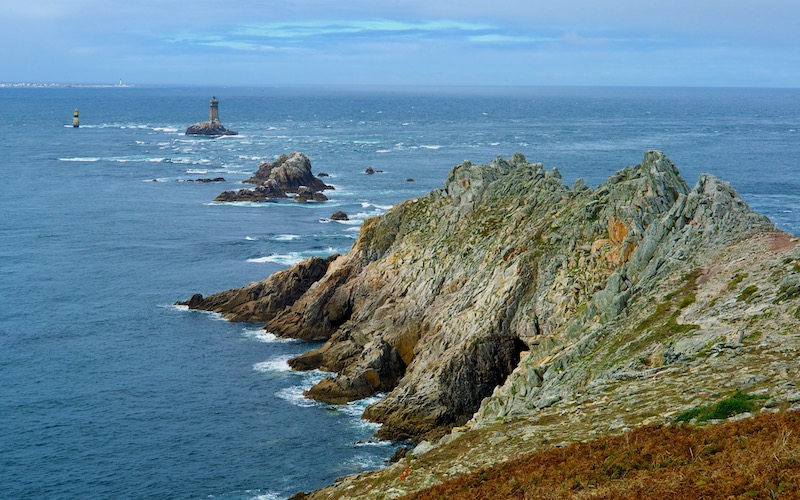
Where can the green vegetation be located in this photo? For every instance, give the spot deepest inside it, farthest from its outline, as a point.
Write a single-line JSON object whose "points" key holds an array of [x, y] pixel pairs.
{"points": [[740, 402], [748, 294], [736, 280]]}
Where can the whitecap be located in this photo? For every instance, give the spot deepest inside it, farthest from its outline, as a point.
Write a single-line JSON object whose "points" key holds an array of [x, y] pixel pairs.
{"points": [[383, 151], [165, 129], [434, 147], [365, 462], [494, 143], [277, 364], [81, 158], [250, 238], [292, 258], [196, 171], [262, 335], [295, 396], [285, 237]]}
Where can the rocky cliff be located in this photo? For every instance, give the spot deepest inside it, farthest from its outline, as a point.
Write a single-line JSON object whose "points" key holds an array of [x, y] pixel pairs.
{"points": [[536, 313]]}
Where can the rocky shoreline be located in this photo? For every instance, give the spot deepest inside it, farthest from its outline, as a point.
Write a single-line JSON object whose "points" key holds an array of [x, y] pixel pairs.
{"points": [[507, 304]]}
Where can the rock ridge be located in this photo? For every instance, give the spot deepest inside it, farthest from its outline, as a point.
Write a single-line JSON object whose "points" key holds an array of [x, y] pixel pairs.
{"points": [[483, 300]]}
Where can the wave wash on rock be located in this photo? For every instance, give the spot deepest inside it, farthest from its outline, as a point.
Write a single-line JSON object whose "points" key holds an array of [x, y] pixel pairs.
{"points": [[441, 298]]}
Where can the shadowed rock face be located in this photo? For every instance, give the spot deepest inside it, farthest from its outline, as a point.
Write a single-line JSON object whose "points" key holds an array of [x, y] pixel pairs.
{"points": [[288, 174], [502, 274]]}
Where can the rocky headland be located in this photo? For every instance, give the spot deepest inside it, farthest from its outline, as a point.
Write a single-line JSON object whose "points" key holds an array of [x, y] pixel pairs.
{"points": [[288, 174], [507, 313]]}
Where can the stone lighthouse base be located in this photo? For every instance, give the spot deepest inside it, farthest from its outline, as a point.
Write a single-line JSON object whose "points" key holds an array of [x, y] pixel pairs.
{"points": [[208, 128]]}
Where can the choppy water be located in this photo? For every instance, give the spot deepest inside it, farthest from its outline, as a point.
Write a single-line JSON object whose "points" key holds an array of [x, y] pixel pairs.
{"points": [[110, 391]]}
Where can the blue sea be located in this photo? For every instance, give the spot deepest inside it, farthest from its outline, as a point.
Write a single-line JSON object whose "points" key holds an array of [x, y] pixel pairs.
{"points": [[110, 391]]}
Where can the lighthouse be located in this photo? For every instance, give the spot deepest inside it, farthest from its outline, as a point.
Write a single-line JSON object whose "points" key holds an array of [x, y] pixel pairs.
{"points": [[75, 122], [213, 126], [213, 114]]}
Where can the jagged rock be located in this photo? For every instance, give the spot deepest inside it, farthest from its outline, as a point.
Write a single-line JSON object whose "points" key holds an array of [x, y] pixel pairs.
{"points": [[507, 293], [208, 128], [305, 194], [409, 180], [369, 171], [323, 174], [261, 300], [288, 174], [339, 215], [208, 179]]}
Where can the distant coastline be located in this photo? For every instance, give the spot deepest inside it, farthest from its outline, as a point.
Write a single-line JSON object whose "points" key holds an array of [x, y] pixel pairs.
{"points": [[65, 85]]}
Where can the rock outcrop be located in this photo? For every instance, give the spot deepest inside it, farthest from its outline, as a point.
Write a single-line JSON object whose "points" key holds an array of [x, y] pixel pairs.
{"points": [[288, 174], [526, 309], [210, 129]]}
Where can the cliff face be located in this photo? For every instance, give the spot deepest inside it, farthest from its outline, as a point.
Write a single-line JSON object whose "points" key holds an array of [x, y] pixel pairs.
{"points": [[509, 297]]}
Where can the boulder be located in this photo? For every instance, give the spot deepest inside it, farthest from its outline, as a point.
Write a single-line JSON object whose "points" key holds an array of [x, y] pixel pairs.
{"points": [[339, 215], [288, 174]]}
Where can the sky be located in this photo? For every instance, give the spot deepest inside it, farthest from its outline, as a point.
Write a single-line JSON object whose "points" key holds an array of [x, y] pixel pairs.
{"points": [[728, 43]]}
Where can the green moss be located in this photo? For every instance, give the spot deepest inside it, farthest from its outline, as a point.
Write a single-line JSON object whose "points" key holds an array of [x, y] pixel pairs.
{"points": [[736, 280], [740, 402], [748, 294]]}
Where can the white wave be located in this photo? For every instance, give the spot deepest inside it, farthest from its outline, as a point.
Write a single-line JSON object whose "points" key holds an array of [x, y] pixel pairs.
{"points": [[165, 129], [277, 364], [265, 496], [434, 147], [353, 229], [383, 151], [366, 204], [292, 258], [285, 237], [494, 143], [250, 238], [266, 337], [295, 396], [196, 171], [365, 462], [81, 158], [179, 307]]}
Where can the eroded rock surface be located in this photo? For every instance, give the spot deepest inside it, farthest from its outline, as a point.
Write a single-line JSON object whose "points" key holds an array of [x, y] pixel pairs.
{"points": [[506, 294], [273, 180]]}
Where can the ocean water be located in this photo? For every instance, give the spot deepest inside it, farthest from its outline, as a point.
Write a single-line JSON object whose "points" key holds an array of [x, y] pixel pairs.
{"points": [[108, 390]]}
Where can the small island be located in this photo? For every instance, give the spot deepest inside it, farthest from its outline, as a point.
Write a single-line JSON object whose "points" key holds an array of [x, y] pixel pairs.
{"points": [[213, 126]]}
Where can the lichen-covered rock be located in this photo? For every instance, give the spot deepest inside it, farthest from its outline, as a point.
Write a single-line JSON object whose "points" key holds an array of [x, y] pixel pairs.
{"points": [[484, 300]]}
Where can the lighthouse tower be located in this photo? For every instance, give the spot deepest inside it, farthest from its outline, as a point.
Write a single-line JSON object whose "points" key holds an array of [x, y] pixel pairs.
{"points": [[213, 115], [75, 121]]}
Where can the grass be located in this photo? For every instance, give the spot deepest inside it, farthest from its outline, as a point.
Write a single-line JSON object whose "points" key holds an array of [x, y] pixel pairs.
{"points": [[740, 402], [748, 294], [752, 458]]}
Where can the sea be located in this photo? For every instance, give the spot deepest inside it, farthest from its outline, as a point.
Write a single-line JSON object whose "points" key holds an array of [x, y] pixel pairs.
{"points": [[109, 390]]}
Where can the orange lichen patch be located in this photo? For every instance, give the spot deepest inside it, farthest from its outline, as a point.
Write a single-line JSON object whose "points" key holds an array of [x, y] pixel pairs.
{"points": [[597, 246], [617, 231], [622, 253]]}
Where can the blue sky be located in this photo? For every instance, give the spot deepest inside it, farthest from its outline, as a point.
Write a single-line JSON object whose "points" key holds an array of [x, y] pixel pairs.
{"points": [[403, 42]]}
